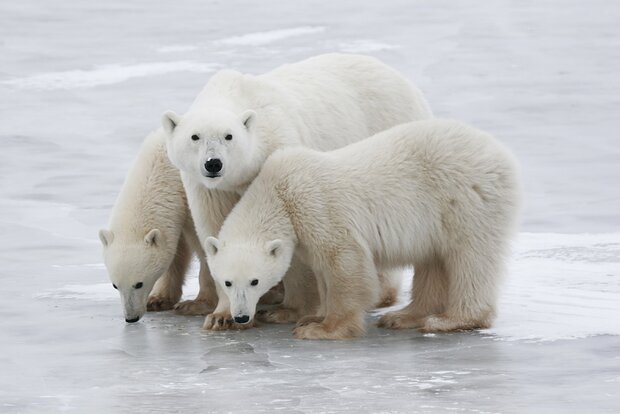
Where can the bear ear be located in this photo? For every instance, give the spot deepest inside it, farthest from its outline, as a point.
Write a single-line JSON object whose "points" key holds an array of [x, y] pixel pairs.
{"points": [[169, 121], [212, 245], [248, 117], [153, 237], [106, 237], [274, 247]]}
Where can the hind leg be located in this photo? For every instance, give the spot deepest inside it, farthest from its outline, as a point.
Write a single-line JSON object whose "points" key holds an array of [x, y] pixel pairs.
{"points": [[391, 281], [428, 296], [472, 293], [319, 315]]}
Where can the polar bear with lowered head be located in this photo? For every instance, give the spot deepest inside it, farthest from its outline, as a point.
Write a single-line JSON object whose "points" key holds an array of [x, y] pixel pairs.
{"points": [[436, 194], [150, 239], [237, 121]]}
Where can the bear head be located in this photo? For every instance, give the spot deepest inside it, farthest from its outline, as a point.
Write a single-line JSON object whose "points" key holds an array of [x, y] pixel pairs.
{"points": [[245, 271], [214, 145], [134, 267]]}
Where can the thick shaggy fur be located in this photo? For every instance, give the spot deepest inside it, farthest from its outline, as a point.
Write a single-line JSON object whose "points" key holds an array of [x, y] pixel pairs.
{"points": [[324, 103], [151, 237], [438, 195]]}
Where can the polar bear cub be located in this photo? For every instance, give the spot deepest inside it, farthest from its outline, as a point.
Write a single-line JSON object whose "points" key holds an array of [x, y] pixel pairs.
{"points": [[149, 243], [437, 194]]}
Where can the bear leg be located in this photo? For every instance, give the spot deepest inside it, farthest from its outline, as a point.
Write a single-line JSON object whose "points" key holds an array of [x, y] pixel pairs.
{"points": [[347, 289], [206, 300], [169, 288], [472, 293], [428, 296]]}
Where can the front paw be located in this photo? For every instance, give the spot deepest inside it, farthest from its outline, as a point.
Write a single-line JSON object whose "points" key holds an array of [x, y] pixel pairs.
{"points": [[400, 320], [159, 303], [307, 320], [193, 307], [445, 323], [320, 331], [279, 315]]}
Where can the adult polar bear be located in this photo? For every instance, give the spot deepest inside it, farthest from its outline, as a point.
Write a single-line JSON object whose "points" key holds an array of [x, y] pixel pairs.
{"points": [[237, 121], [435, 194]]}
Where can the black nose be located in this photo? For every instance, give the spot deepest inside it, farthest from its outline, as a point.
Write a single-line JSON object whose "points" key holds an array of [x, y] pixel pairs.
{"points": [[242, 319], [213, 165], [136, 319]]}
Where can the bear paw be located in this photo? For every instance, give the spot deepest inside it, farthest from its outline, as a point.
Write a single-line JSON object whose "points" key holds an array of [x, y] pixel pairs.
{"points": [[307, 320], [223, 322], [158, 303], [279, 315], [320, 331], [442, 323], [399, 320], [193, 307]]}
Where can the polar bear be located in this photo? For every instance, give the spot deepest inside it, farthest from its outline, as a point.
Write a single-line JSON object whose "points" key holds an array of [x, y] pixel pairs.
{"points": [[238, 120], [436, 194], [151, 237]]}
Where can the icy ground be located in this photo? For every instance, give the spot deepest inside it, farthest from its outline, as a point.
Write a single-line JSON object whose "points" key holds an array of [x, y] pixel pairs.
{"points": [[81, 84]]}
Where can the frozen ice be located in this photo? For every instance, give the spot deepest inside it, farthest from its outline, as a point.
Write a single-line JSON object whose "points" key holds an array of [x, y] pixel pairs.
{"points": [[82, 83]]}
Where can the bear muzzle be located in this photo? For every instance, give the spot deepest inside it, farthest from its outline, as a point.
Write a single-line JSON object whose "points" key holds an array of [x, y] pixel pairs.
{"points": [[242, 319], [213, 166]]}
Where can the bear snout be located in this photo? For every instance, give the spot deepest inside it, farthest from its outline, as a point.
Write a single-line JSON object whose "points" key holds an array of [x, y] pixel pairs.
{"points": [[242, 319], [132, 320], [213, 167]]}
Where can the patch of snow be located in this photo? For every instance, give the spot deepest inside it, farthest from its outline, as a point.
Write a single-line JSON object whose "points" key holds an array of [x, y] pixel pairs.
{"points": [[263, 38], [105, 75]]}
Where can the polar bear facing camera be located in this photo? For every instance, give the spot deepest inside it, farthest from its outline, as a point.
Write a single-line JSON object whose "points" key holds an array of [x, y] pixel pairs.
{"points": [[238, 120], [436, 194]]}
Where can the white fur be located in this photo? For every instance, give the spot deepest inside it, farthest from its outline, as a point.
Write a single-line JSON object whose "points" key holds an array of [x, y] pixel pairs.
{"points": [[435, 194], [324, 103], [151, 236]]}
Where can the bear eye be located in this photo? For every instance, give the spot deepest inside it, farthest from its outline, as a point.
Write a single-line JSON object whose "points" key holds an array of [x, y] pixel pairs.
{"points": [[228, 283], [228, 137], [138, 285], [195, 137], [114, 286], [254, 282]]}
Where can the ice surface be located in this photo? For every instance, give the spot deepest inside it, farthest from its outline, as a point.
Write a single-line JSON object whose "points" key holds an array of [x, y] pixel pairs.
{"points": [[82, 83]]}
